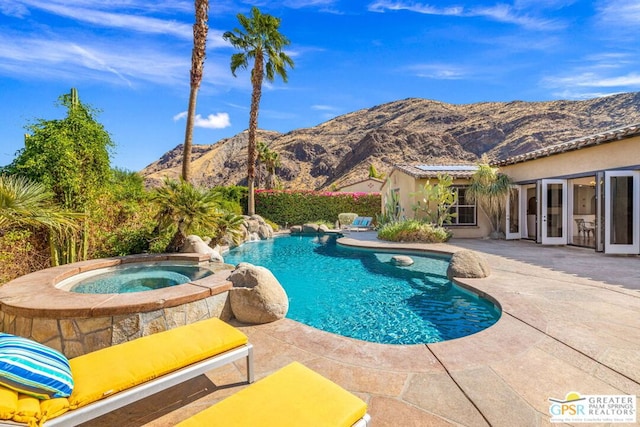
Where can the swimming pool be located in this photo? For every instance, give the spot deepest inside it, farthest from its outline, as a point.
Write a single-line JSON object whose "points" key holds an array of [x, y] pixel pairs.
{"points": [[358, 293]]}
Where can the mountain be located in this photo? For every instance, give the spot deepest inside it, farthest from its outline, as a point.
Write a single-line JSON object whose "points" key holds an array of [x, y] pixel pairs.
{"points": [[340, 150]]}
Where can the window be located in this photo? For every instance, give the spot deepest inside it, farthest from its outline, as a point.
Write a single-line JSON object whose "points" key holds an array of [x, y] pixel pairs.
{"points": [[465, 210]]}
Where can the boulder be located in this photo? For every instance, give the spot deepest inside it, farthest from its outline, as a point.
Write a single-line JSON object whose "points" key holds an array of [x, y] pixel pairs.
{"points": [[252, 225], [401, 260], [195, 244], [323, 229], [265, 231], [296, 229], [467, 264], [310, 228], [257, 296]]}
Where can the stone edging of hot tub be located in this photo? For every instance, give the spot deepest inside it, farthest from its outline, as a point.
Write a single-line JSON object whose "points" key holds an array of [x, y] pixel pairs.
{"points": [[32, 306]]}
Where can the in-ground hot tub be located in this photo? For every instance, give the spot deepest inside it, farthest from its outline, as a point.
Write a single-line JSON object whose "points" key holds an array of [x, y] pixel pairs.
{"points": [[136, 277], [33, 306]]}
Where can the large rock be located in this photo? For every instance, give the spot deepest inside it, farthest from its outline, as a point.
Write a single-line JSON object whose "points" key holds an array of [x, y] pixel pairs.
{"points": [[254, 227], [467, 264], [195, 244], [310, 228], [256, 296], [401, 260]]}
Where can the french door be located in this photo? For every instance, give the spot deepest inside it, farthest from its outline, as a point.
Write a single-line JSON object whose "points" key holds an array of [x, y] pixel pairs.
{"points": [[622, 212], [513, 219], [553, 227]]}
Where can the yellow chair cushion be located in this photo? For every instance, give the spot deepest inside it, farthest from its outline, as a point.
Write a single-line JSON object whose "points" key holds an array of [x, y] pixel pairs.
{"points": [[8, 403], [28, 410], [103, 372], [52, 408], [291, 397]]}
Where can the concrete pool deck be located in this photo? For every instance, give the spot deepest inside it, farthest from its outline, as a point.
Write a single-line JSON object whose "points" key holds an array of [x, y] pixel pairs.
{"points": [[570, 323]]}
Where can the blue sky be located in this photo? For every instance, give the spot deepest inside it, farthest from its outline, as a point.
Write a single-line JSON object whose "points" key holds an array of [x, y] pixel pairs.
{"points": [[131, 60]]}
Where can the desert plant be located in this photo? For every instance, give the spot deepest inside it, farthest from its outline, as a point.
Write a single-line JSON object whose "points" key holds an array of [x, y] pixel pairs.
{"points": [[436, 200], [185, 209], [391, 211], [490, 189], [227, 229], [28, 204], [346, 218], [413, 231], [373, 172]]}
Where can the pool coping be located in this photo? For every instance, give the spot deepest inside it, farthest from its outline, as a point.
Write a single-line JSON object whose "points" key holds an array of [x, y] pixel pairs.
{"points": [[35, 295]]}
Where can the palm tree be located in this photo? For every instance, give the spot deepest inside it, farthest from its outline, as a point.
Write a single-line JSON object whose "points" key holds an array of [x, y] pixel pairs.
{"points": [[260, 41], [490, 189], [26, 203], [200, 30], [271, 161], [185, 209]]}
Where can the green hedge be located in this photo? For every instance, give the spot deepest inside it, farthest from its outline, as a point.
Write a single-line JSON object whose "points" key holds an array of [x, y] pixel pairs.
{"points": [[299, 207]]}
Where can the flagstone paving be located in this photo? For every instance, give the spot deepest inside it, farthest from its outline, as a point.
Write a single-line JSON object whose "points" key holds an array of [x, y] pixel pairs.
{"points": [[570, 323]]}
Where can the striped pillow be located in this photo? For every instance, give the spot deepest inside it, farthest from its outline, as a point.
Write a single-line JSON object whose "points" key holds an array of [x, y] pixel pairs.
{"points": [[33, 369]]}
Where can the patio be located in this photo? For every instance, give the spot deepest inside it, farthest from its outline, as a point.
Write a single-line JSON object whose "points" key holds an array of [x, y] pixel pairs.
{"points": [[571, 322]]}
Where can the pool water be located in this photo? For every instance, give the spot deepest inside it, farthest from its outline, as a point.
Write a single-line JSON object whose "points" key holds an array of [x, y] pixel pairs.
{"points": [[118, 280], [358, 293]]}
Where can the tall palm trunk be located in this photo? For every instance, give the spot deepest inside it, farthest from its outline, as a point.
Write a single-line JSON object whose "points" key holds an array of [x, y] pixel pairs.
{"points": [[200, 30], [256, 81], [188, 134]]}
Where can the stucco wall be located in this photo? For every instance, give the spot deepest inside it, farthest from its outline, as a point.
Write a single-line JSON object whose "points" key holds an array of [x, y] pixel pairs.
{"points": [[612, 155], [406, 184], [366, 186]]}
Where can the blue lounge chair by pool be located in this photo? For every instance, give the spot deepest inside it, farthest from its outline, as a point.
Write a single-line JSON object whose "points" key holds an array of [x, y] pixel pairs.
{"points": [[361, 223]]}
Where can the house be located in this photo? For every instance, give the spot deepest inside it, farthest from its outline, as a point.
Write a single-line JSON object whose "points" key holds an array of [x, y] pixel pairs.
{"points": [[406, 181], [369, 185], [583, 192]]}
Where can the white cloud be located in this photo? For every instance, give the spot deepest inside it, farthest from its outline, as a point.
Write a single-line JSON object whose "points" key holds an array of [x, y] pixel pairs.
{"points": [[143, 24], [383, 5], [574, 94], [437, 71], [619, 13], [212, 121], [50, 57], [500, 12], [322, 107], [13, 8], [595, 80]]}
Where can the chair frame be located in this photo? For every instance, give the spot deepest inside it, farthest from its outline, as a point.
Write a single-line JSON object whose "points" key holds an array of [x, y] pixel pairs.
{"points": [[133, 394]]}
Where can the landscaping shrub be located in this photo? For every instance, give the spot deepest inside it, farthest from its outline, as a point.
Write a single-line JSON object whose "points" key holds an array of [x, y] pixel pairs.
{"points": [[22, 251], [413, 231], [298, 207]]}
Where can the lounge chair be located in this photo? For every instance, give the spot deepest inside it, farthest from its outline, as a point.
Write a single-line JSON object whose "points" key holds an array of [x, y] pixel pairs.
{"points": [[291, 397], [113, 377], [361, 223]]}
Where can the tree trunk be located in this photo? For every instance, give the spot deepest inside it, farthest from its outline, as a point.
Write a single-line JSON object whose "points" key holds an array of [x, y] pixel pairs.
{"points": [[198, 54], [252, 154], [188, 135]]}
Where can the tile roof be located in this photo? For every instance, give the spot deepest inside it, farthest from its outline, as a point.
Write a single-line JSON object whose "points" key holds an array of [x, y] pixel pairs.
{"points": [[574, 144], [432, 171]]}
